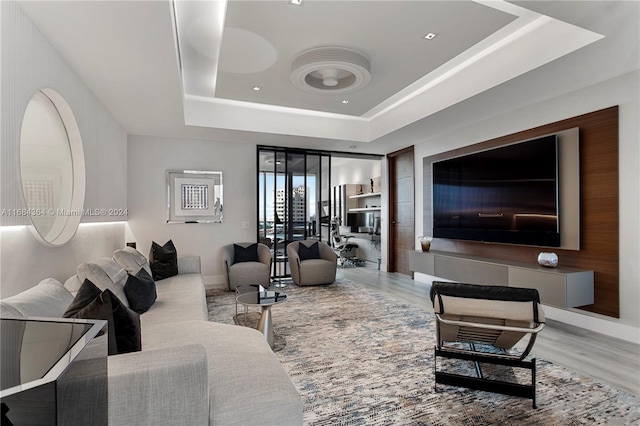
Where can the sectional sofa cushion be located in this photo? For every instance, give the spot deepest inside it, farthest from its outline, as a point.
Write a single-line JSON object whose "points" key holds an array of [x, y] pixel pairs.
{"points": [[73, 284], [47, 299], [131, 260], [105, 273], [234, 355], [123, 323], [163, 260], [141, 291]]}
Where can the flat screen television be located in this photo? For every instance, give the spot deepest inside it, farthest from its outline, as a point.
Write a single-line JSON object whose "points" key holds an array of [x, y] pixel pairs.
{"points": [[507, 195]]}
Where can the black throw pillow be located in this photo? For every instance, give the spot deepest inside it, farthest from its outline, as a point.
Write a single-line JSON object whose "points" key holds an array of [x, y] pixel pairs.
{"points": [[141, 291], [163, 260], [245, 254], [123, 323], [311, 252], [87, 292]]}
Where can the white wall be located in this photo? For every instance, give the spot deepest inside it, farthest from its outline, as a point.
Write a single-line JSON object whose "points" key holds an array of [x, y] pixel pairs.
{"points": [[150, 157], [30, 63], [25, 261], [354, 170], [622, 91]]}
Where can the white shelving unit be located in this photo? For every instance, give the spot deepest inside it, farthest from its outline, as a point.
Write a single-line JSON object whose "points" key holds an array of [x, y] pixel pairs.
{"points": [[363, 201]]}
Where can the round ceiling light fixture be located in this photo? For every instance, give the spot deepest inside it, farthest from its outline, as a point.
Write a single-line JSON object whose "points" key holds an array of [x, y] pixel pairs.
{"points": [[330, 70]]}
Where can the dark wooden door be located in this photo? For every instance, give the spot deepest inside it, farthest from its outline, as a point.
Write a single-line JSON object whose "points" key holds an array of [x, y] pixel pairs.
{"points": [[401, 210]]}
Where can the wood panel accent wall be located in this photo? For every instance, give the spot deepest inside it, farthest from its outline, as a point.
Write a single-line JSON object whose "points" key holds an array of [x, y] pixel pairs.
{"points": [[599, 225]]}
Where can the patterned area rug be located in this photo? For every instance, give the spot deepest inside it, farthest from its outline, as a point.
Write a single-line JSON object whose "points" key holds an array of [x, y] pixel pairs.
{"points": [[361, 358]]}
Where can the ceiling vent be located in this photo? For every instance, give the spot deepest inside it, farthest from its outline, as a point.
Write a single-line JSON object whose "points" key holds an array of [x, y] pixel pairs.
{"points": [[330, 70]]}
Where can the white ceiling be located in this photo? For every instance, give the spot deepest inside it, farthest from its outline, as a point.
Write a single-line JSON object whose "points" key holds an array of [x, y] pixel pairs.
{"points": [[398, 57], [148, 62]]}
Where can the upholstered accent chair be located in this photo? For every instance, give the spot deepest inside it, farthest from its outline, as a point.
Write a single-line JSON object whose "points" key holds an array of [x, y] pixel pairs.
{"points": [[247, 264], [312, 262]]}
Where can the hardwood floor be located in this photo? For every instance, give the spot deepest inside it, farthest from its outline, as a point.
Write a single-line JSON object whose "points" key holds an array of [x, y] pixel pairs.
{"points": [[606, 359]]}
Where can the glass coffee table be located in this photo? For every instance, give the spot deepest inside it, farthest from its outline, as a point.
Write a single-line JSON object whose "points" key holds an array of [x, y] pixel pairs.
{"points": [[246, 288], [264, 299]]}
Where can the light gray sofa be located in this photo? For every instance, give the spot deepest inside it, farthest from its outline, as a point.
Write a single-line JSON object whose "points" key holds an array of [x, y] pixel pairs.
{"points": [[190, 371]]}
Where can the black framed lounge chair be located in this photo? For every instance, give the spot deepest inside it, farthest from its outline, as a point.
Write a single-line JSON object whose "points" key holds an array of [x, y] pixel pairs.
{"points": [[483, 324]]}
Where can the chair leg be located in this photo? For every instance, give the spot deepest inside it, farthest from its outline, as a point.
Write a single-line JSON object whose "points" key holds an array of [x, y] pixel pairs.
{"points": [[483, 384]]}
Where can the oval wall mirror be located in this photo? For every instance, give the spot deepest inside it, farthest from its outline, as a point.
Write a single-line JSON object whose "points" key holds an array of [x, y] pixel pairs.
{"points": [[52, 167]]}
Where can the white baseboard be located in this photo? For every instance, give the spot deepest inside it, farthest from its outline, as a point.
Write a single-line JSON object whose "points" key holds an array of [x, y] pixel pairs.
{"points": [[214, 282], [594, 322]]}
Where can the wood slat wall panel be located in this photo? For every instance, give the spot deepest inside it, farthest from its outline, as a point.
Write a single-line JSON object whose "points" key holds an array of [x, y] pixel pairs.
{"points": [[599, 201]]}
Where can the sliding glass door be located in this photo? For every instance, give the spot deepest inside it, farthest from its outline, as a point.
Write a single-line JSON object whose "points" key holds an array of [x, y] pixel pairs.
{"points": [[293, 196]]}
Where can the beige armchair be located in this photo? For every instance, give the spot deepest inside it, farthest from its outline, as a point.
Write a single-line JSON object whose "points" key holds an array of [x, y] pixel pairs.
{"points": [[242, 268], [311, 264]]}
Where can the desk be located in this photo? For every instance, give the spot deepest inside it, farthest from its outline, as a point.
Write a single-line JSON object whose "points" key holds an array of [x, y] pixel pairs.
{"points": [[368, 245]]}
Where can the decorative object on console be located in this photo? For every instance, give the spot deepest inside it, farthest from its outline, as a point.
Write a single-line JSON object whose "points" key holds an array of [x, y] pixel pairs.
{"points": [[163, 260], [425, 242], [549, 260], [194, 196]]}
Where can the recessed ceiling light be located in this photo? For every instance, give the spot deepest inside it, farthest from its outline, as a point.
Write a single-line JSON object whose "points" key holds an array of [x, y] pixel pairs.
{"points": [[257, 88], [345, 101], [430, 36], [296, 2]]}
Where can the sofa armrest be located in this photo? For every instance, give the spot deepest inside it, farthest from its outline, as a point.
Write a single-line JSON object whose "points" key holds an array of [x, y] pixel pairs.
{"points": [[189, 265], [159, 387]]}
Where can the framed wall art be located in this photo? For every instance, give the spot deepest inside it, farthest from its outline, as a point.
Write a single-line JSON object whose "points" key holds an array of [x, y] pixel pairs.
{"points": [[194, 196]]}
